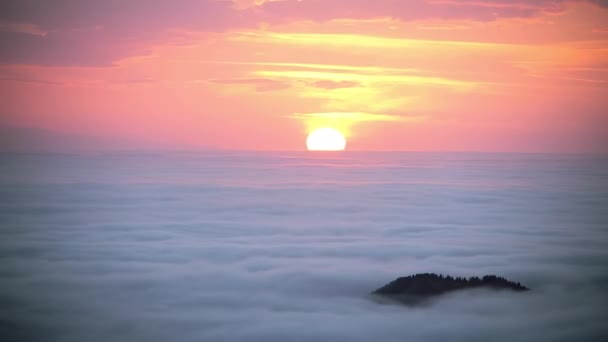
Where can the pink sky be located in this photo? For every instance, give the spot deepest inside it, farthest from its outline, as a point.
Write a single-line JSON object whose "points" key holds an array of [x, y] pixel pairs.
{"points": [[433, 75]]}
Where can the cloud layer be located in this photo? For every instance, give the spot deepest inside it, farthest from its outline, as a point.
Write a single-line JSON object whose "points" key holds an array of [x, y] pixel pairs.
{"points": [[274, 247], [92, 32]]}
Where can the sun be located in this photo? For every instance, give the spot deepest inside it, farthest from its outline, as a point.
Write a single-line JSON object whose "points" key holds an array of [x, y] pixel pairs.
{"points": [[326, 139]]}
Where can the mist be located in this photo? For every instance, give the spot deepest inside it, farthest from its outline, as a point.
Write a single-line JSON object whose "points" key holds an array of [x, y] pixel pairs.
{"points": [[288, 246]]}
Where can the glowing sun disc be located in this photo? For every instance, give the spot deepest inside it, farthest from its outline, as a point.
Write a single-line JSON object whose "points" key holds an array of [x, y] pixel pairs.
{"points": [[326, 139]]}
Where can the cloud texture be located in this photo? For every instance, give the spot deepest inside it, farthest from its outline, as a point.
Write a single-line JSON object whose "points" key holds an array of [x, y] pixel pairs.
{"points": [[275, 247], [97, 33]]}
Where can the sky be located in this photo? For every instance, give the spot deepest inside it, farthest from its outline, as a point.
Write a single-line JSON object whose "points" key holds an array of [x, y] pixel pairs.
{"points": [[429, 75]]}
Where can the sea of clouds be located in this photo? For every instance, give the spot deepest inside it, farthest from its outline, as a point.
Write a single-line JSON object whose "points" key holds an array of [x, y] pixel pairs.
{"points": [[288, 246]]}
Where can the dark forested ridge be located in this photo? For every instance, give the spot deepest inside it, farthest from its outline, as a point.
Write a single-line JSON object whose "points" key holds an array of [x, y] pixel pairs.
{"points": [[425, 285]]}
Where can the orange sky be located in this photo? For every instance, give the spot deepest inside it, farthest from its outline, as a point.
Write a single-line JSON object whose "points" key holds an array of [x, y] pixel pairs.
{"points": [[435, 75]]}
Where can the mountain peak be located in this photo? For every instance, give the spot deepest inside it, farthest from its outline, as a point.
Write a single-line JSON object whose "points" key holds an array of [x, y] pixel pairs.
{"points": [[413, 288]]}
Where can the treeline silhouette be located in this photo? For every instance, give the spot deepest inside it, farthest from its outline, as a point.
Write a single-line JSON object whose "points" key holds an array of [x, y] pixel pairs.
{"points": [[429, 284]]}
